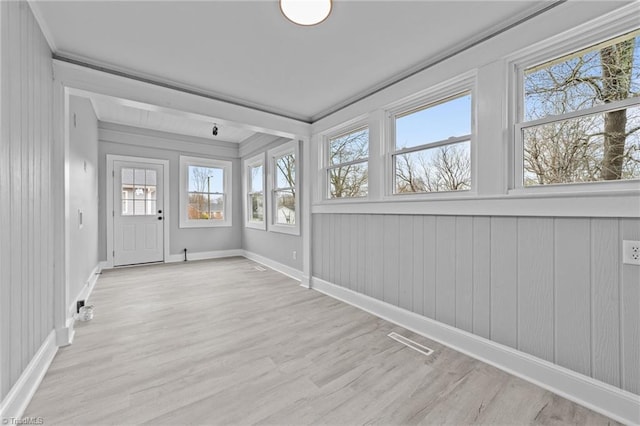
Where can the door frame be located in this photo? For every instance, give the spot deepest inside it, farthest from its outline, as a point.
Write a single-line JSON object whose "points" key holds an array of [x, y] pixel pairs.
{"points": [[111, 158]]}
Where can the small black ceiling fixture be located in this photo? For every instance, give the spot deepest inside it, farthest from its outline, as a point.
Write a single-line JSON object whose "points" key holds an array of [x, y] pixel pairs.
{"points": [[215, 129]]}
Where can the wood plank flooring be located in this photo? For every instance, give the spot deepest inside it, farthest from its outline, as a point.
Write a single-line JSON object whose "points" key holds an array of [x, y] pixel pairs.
{"points": [[222, 343]]}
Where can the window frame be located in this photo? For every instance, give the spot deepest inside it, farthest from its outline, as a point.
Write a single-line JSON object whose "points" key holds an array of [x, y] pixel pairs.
{"points": [[248, 164], [227, 176], [287, 148], [458, 87], [554, 48], [326, 160]]}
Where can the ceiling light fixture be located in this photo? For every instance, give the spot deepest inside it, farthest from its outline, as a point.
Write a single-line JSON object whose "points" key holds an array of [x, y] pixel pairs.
{"points": [[306, 12]]}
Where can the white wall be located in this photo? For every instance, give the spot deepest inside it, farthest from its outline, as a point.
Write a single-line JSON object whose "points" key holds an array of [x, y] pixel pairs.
{"points": [[26, 222], [272, 245], [130, 141], [83, 193]]}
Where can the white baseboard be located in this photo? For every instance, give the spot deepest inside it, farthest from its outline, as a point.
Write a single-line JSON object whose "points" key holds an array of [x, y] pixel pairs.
{"points": [[598, 396], [64, 336], [16, 401], [276, 266], [203, 255]]}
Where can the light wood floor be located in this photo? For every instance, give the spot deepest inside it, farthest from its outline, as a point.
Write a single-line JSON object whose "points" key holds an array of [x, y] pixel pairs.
{"points": [[219, 342]]}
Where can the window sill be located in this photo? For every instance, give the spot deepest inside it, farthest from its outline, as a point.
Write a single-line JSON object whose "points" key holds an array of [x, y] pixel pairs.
{"points": [[618, 203], [285, 229], [256, 225]]}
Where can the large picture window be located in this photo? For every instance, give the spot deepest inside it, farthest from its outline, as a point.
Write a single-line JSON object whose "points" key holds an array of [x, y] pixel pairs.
{"points": [[285, 200], [205, 192], [580, 116], [347, 165], [432, 151], [255, 189]]}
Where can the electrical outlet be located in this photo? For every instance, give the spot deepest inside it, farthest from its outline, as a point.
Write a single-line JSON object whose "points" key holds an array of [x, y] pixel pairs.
{"points": [[631, 252], [294, 255]]}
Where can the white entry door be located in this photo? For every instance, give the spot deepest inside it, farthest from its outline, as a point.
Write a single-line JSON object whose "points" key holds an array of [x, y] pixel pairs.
{"points": [[138, 214]]}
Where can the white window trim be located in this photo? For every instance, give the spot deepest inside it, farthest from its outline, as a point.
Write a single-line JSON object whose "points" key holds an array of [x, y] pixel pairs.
{"points": [[248, 163], [450, 89], [226, 166], [343, 130], [272, 154], [614, 24], [492, 150]]}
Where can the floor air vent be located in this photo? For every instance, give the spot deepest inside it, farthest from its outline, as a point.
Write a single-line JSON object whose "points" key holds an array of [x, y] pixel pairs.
{"points": [[410, 343]]}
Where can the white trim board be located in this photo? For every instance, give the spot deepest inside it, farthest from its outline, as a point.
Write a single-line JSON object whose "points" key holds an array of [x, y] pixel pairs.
{"points": [[276, 266], [203, 255], [598, 396], [18, 398], [65, 335]]}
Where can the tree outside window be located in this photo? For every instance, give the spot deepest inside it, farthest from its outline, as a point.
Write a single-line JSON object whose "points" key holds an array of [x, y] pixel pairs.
{"points": [[585, 112]]}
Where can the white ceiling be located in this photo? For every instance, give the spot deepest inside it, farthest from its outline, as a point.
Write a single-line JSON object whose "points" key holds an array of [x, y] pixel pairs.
{"points": [[119, 111], [245, 51]]}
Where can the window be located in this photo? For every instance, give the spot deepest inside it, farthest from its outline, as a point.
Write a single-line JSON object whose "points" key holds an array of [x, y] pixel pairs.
{"points": [[205, 192], [254, 190], [580, 116], [138, 192], [284, 183], [432, 151], [347, 171]]}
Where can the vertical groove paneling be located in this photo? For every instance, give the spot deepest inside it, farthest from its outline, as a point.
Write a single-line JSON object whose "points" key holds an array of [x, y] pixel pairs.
{"points": [[325, 236], [405, 262], [630, 230], [376, 230], [464, 270], [15, 197], [430, 267], [338, 234], [26, 269], [504, 301], [605, 295], [418, 265], [446, 269], [316, 246], [573, 294], [345, 251], [354, 257], [5, 218], [482, 276], [535, 287], [331, 243], [554, 288], [362, 252], [346, 257], [391, 259]]}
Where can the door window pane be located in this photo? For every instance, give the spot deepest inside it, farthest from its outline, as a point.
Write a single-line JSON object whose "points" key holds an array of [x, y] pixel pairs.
{"points": [[139, 192]]}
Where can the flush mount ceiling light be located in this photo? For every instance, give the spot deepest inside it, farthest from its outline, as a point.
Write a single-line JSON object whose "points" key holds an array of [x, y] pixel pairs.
{"points": [[306, 12]]}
